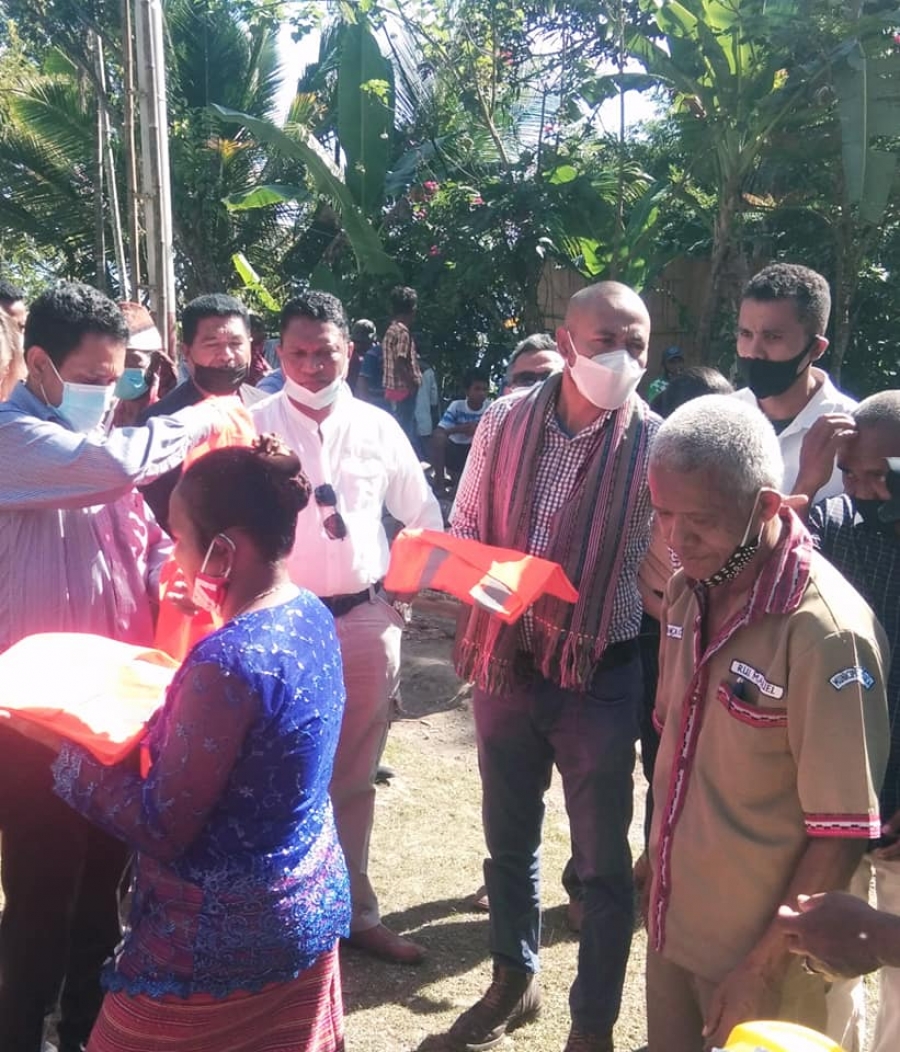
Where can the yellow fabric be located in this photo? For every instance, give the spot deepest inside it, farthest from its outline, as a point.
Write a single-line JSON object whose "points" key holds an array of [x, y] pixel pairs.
{"points": [[778, 1037]]}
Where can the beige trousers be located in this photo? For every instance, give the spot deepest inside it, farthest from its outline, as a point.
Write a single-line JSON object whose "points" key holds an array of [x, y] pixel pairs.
{"points": [[370, 648]]}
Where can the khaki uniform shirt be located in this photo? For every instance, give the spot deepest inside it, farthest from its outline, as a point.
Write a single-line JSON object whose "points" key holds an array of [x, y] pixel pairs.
{"points": [[777, 732]]}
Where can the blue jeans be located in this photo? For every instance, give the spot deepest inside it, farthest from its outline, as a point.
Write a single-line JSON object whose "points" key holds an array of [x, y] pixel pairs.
{"points": [[590, 737]]}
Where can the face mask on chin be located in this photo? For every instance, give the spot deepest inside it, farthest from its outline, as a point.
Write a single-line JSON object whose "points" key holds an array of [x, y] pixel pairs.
{"points": [[208, 592], [219, 379], [608, 380], [321, 399], [737, 562], [82, 406], [767, 379]]}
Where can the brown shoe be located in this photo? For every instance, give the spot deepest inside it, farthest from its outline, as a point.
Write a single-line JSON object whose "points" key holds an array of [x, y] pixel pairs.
{"points": [[480, 901], [388, 945], [581, 1041], [512, 1000], [575, 914]]}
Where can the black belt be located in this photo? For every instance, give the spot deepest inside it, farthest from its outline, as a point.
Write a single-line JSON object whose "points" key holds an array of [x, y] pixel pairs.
{"points": [[343, 604]]}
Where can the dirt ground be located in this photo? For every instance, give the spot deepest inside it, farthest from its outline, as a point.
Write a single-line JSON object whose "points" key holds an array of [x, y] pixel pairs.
{"points": [[426, 858]]}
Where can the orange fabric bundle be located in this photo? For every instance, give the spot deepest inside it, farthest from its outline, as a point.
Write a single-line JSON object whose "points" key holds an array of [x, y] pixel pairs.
{"points": [[500, 580], [177, 630], [94, 691]]}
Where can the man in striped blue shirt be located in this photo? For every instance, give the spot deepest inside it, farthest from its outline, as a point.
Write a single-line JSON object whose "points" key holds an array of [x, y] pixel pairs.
{"points": [[859, 533]]}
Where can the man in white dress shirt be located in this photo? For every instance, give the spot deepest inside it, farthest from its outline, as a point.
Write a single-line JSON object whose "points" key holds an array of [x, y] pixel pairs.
{"points": [[358, 460], [780, 334]]}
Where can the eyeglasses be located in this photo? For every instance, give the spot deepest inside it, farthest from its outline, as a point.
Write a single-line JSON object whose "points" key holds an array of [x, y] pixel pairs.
{"points": [[526, 379], [334, 524]]}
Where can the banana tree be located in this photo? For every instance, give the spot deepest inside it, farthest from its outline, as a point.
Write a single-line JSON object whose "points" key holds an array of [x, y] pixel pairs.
{"points": [[732, 90]]}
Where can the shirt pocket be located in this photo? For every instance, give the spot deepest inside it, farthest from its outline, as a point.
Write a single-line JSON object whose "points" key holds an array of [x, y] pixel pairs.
{"points": [[749, 713], [363, 482]]}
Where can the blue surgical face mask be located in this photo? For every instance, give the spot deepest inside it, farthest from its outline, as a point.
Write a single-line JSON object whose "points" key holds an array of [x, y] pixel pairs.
{"points": [[83, 406], [131, 384]]}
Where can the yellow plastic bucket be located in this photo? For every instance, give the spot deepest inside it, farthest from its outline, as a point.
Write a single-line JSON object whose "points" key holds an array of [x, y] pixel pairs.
{"points": [[778, 1037]]}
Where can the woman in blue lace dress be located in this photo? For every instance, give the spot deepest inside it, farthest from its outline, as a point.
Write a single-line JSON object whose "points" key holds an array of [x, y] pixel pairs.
{"points": [[240, 890]]}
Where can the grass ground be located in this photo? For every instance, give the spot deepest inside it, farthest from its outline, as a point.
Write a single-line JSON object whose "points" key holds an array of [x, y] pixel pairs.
{"points": [[426, 859]]}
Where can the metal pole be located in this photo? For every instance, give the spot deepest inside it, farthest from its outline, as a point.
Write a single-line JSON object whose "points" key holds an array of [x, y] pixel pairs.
{"points": [[131, 174]]}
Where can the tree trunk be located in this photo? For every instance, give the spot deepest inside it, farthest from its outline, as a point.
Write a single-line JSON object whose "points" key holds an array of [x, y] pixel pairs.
{"points": [[721, 248], [131, 161]]}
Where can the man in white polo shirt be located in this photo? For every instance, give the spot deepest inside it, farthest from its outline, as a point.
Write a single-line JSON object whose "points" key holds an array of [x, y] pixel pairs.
{"points": [[780, 334], [358, 460]]}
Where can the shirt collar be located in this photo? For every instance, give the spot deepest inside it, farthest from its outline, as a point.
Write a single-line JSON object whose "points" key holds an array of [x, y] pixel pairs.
{"points": [[22, 398]]}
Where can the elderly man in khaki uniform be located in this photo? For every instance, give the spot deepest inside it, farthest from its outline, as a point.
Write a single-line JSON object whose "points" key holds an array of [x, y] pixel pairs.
{"points": [[772, 710]]}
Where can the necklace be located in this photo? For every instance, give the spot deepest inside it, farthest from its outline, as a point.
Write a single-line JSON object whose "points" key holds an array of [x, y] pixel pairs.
{"points": [[256, 598]]}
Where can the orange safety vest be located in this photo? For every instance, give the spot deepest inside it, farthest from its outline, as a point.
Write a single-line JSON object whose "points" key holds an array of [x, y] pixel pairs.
{"points": [[502, 581], [95, 691]]}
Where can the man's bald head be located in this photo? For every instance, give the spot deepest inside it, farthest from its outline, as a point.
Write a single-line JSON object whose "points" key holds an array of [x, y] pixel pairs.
{"points": [[608, 316], [605, 294]]}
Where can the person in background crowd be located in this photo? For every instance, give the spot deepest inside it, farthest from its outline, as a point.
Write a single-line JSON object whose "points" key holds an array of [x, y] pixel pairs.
{"points": [[215, 332], [690, 383], [12, 357], [428, 400], [532, 361], [452, 438], [238, 861], [859, 532], [362, 336], [401, 375], [259, 367], [780, 333], [12, 304], [672, 366], [773, 720], [149, 373], [78, 553], [370, 380], [560, 471], [358, 461]]}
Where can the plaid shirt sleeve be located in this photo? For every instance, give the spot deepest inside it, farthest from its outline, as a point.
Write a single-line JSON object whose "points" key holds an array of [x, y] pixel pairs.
{"points": [[401, 363]]}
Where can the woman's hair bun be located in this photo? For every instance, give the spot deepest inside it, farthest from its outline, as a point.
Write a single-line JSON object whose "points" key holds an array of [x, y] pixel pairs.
{"points": [[285, 468]]}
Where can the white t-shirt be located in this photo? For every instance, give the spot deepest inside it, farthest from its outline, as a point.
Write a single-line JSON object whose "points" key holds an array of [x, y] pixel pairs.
{"points": [[827, 399], [458, 413], [363, 454]]}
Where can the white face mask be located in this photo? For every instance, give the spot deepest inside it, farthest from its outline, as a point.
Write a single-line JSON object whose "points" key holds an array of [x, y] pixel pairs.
{"points": [[606, 380], [313, 399]]}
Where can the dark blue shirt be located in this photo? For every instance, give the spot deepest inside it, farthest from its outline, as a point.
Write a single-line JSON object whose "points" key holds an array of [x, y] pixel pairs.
{"points": [[870, 560]]}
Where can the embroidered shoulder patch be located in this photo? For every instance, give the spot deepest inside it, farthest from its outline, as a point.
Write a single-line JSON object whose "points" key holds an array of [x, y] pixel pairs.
{"points": [[754, 676], [674, 632], [854, 674]]}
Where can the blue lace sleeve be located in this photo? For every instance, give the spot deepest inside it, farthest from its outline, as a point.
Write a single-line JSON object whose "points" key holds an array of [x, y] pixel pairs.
{"points": [[195, 744]]}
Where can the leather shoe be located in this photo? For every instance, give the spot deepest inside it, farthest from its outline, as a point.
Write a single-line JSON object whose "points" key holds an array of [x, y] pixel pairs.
{"points": [[575, 914], [388, 945], [480, 901], [512, 1000], [582, 1041]]}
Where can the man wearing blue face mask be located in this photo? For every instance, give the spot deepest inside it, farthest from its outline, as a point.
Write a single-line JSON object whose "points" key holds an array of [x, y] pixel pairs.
{"points": [[780, 335], [560, 471], [78, 553]]}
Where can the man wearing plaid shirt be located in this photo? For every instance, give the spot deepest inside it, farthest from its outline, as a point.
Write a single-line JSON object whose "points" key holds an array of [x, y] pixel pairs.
{"points": [[560, 471], [401, 376]]}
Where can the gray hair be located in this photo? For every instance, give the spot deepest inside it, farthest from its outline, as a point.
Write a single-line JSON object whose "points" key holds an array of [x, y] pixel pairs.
{"points": [[879, 410], [728, 440]]}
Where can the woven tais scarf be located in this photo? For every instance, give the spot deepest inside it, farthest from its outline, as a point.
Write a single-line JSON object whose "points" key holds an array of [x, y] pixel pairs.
{"points": [[588, 541]]}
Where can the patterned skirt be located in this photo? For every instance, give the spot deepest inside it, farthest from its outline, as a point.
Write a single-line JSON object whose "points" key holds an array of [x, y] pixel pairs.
{"points": [[304, 1015]]}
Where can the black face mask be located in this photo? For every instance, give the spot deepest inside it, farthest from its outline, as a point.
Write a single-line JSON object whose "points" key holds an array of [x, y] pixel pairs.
{"points": [[737, 562], [869, 510], [220, 379], [768, 379]]}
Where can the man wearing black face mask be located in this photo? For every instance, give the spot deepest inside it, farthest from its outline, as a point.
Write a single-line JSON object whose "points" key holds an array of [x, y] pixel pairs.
{"points": [[780, 334], [859, 533], [216, 349]]}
